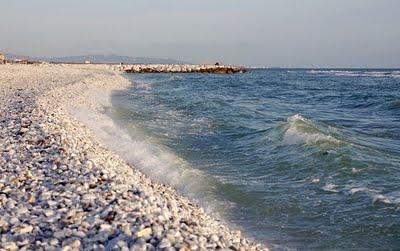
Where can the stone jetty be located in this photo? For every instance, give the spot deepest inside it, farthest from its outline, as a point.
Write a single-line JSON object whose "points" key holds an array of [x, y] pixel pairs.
{"points": [[171, 68], [62, 189]]}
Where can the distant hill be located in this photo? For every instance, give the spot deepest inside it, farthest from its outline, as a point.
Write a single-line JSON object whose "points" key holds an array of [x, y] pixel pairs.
{"points": [[108, 59]]}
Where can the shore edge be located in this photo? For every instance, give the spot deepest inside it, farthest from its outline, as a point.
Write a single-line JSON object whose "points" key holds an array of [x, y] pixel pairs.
{"points": [[105, 203]]}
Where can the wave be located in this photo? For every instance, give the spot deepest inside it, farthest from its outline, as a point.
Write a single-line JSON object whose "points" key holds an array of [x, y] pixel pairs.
{"points": [[330, 188], [174, 78], [148, 156], [159, 162], [390, 198], [303, 131], [148, 83], [144, 86], [345, 73], [394, 105], [377, 197], [359, 188]]}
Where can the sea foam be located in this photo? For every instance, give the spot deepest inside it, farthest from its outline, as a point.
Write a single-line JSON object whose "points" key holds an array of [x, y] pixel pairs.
{"points": [[330, 188], [390, 198], [303, 131], [152, 159], [346, 73], [155, 160]]}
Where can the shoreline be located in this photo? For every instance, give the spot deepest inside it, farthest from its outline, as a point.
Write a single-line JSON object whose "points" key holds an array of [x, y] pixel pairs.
{"points": [[72, 191]]}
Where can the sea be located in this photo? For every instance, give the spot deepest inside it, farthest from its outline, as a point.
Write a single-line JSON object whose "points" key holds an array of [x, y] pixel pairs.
{"points": [[297, 159]]}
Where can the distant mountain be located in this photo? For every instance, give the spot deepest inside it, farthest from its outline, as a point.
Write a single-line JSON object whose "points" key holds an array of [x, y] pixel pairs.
{"points": [[15, 56], [108, 59]]}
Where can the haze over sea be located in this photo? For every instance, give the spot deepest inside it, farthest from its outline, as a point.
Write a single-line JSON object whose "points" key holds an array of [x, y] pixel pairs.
{"points": [[298, 159]]}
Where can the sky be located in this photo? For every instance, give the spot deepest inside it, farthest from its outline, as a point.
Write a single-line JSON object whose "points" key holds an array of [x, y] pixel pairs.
{"points": [[273, 33]]}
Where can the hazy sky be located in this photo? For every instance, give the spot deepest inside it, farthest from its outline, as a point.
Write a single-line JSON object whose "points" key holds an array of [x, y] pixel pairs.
{"points": [[288, 33]]}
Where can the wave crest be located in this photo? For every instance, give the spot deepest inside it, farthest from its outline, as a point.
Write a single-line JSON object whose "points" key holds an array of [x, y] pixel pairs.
{"points": [[344, 73], [303, 131], [391, 198]]}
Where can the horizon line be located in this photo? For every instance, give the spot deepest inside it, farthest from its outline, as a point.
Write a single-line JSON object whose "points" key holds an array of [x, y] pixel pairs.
{"points": [[183, 60]]}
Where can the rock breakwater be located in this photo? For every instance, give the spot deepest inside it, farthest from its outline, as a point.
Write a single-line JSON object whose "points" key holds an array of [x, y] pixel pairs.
{"points": [[166, 68]]}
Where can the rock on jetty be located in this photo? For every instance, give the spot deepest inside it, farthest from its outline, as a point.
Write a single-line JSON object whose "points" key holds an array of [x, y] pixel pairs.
{"points": [[60, 189], [171, 68]]}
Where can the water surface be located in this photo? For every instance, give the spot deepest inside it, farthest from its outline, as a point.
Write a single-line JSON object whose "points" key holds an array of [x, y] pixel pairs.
{"points": [[298, 159]]}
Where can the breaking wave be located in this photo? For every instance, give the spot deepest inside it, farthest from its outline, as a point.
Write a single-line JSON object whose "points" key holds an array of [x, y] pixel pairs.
{"points": [[303, 131], [390, 198], [152, 158], [330, 188], [378, 74], [376, 195]]}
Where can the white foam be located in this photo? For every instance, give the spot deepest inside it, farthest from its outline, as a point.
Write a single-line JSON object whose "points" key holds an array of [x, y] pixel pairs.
{"points": [[330, 72], [147, 156], [361, 189], [390, 198], [150, 157], [173, 78], [315, 180], [380, 198], [145, 86], [294, 136], [375, 194], [303, 131], [396, 74], [330, 188], [380, 74]]}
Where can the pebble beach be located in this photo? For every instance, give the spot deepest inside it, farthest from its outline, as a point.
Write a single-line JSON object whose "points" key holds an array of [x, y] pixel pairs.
{"points": [[62, 189]]}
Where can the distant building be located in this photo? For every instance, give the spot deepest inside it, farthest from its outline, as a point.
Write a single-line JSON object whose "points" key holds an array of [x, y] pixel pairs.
{"points": [[87, 62], [21, 61], [2, 58]]}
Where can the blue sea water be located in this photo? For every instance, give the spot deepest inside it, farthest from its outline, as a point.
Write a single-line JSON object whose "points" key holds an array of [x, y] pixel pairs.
{"points": [[298, 159]]}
